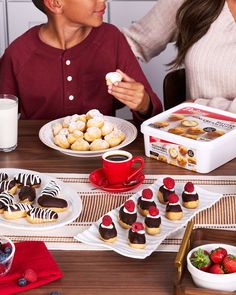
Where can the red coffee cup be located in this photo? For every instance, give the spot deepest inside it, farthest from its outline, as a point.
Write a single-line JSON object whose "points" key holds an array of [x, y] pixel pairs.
{"points": [[118, 166]]}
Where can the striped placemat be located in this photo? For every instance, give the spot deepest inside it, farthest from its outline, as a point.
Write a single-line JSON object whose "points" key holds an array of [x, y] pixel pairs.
{"points": [[97, 202]]}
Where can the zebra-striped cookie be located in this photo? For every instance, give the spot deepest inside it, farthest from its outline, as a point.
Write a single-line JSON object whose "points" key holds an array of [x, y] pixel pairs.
{"points": [[23, 179], [9, 186], [6, 199], [51, 189], [3, 176], [16, 211], [41, 215]]}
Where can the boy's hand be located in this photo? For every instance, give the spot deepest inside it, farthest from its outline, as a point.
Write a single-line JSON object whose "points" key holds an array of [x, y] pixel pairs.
{"points": [[130, 93]]}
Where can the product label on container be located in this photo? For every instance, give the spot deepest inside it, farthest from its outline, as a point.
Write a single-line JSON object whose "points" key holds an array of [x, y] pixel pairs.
{"points": [[196, 124], [172, 153]]}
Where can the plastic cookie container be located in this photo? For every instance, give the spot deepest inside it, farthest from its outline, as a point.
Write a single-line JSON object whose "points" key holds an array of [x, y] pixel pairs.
{"points": [[191, 136]]}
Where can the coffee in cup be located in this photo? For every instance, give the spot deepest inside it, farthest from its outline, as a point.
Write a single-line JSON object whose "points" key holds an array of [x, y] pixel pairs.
{"points": [[118, 166]]}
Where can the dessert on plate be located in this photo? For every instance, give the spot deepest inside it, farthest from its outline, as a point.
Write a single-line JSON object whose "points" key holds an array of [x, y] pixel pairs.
{"points": [[190, 197], [127, 214], [166, 189], [173, 208], [145, 201], [153, 221], [107, 229], [136, 236]]}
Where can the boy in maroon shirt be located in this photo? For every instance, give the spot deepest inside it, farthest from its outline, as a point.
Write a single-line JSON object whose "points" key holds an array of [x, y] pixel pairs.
{"points": [[58, 68]]}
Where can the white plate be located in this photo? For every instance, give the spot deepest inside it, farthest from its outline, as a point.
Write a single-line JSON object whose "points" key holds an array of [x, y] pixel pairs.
{"points": [[46, 136], [91, 235], [70, 195]]}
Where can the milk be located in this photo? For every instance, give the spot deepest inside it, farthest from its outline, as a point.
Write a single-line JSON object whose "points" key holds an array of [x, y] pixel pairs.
{"points": [[8, 122]]}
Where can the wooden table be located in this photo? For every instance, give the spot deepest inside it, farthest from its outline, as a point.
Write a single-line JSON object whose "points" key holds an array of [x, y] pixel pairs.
{"points": [[98, 272]]}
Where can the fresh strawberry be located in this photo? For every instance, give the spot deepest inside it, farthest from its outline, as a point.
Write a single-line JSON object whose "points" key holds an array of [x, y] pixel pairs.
{"points": [[169, 182], [229, 263], [129, 205], [189, 187], [216, 269], [30, 275], [218, 255], [147, 193], [106, 220], [201, 259]]}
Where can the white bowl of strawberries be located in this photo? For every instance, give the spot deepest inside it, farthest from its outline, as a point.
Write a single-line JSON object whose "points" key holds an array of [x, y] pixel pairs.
{"points": [[213, 266]]}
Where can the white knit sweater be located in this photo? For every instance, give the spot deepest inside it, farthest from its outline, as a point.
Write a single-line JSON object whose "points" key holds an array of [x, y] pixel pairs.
{"points": [[210, 63]]}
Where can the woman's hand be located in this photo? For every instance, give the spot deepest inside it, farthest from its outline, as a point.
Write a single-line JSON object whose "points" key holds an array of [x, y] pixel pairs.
{"points": [[130, 93]]}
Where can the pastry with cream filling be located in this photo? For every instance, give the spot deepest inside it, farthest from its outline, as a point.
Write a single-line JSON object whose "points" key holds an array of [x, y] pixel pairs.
{"points": [[153, 221], [107, 230], [173, 208], [127, 214], [190, 197], [166, 189], [136, 236], [145, 201]]}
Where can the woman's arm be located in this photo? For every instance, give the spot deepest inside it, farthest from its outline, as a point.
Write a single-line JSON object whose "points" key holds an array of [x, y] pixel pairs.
{"points": [[150, 35]]}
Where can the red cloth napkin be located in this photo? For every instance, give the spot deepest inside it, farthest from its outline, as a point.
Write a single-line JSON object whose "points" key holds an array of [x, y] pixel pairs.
{"points": [[36, 256]]}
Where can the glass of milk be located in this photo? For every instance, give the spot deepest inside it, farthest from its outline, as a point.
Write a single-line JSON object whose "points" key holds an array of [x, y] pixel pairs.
{"points": [[8, 122]]}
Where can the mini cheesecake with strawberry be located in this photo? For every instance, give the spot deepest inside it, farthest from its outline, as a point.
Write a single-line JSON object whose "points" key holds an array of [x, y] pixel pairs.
{"points": [[190, 197], [136, 236], [145, 201], [153, 221], [127, 214], [173, 208], [166, 189], [107, 229]]}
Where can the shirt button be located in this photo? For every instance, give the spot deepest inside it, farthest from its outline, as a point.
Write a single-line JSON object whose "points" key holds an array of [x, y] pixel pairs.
{"points": [[68, 62], [69, 78], [71, 97]]}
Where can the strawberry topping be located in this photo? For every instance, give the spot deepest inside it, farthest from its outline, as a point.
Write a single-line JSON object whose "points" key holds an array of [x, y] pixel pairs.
{"points": [[106, 220], [129, 205], [153, 211], [169, 182], [147, 193], [189, 187], [137, 226], [173, 198]]}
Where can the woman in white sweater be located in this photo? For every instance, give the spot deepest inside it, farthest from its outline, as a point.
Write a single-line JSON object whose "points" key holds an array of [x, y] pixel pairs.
{"points": [[205, 36]]}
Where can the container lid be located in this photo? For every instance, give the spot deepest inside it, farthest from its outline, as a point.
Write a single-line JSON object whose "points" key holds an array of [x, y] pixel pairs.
{"points": [[191, 122]]}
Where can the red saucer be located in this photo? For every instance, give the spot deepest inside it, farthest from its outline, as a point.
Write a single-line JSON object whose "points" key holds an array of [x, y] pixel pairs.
{"points": [[98, 179]]}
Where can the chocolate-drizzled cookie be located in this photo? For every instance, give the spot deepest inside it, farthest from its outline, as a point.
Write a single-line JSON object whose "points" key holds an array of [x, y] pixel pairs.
{"points": [[51, 189], [8, 186], [16, 211], [6, 199], [41, 215], [23, 179], [3, 176], [27, 194]]}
